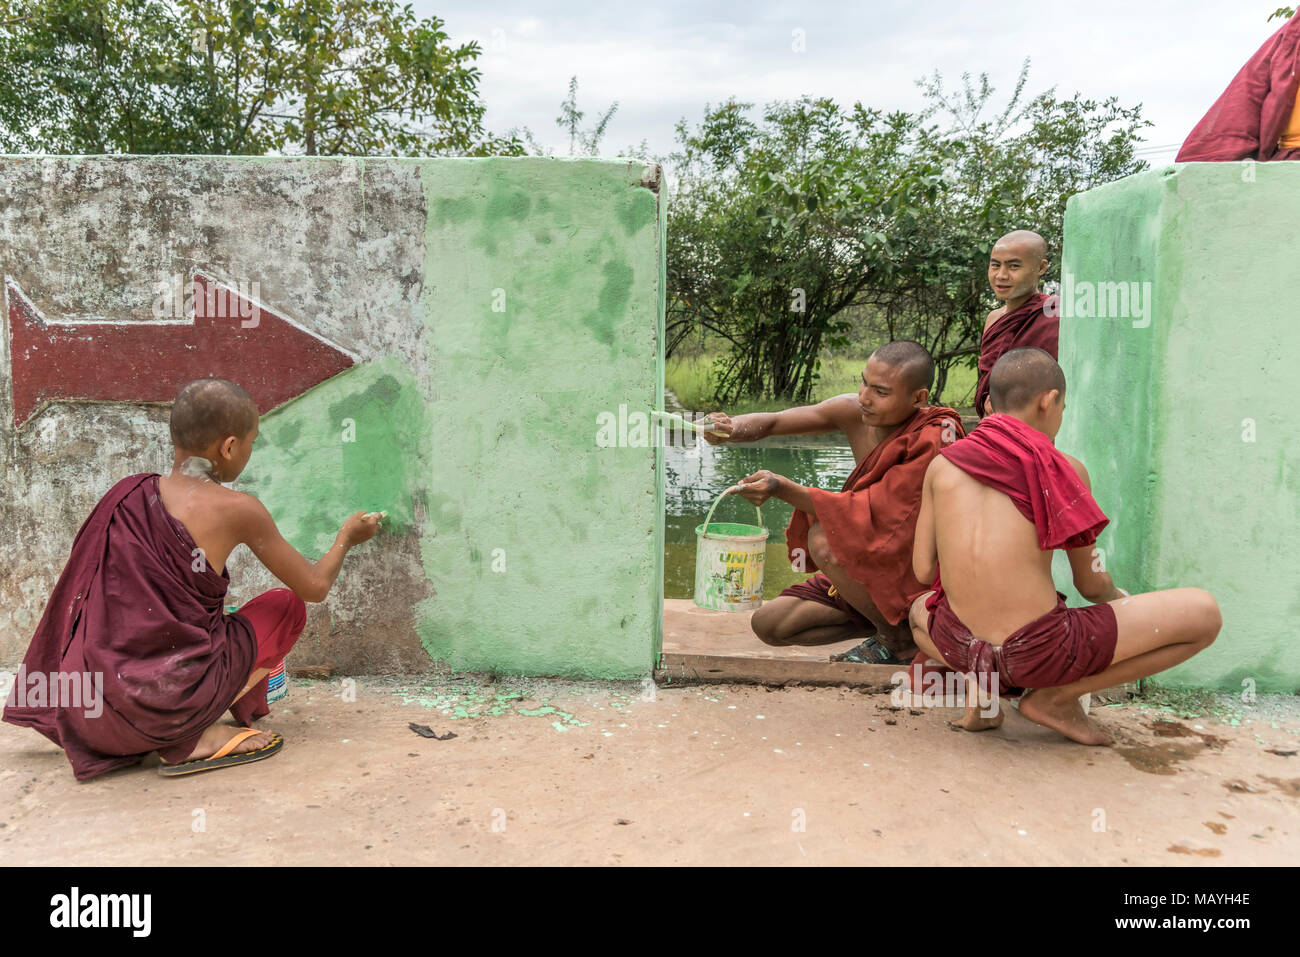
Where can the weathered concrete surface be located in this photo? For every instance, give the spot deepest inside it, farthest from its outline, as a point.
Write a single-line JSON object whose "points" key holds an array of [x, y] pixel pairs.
{"points": [[1177, 408], [495, 307], [565, 773]]}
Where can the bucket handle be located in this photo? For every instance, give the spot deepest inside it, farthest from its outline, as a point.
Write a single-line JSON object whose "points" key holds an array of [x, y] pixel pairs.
{"points": [[708, 518]]}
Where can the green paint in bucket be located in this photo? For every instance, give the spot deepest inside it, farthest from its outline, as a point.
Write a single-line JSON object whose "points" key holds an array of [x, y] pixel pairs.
{"points": [[729, 558]]}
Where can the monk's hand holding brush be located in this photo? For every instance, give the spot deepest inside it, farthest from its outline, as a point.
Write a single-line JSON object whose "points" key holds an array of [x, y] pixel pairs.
{"points": [[721, 422], [360, 527]]}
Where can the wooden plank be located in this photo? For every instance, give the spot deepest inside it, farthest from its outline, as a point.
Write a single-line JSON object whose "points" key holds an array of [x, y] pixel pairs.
{"points": [[731, 669]]}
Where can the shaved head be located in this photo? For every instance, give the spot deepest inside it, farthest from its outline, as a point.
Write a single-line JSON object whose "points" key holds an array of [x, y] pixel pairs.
{"points": [[208, 411], [1021, 376], [1034, 246], [911, 358]]}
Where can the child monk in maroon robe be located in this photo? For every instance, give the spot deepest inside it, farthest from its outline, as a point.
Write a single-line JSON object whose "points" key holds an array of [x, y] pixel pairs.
{"points": [[140, 607], [1258, 115], [994, 506], [1027, 318], [859, 539]]}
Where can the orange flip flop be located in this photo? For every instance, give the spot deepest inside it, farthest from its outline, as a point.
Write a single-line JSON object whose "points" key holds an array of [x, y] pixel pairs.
{"points": [[223, 758]]}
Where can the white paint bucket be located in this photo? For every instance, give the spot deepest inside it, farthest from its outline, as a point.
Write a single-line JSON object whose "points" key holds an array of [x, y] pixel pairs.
{"points": [[729, 559]]}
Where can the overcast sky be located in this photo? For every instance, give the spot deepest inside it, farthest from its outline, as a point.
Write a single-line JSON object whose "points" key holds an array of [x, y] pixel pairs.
{"points": [[666, 59]]}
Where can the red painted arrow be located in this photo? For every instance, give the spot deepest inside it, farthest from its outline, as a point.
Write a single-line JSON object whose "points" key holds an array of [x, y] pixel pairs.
{"points": [[240, 340]]}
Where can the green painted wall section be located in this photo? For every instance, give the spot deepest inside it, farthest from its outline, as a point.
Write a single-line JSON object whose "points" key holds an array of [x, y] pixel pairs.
{"points": [[1162, 415], [360, 440], [543, 307]]}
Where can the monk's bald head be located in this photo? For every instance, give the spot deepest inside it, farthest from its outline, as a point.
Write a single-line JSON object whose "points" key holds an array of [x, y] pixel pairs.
{"points": [[208, 411], [1017, 264], [1029, 242], [910, 358], [1021, 377]]}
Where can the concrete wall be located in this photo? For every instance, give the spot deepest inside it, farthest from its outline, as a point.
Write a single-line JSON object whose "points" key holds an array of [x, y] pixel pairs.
{"points": [[494, 308], [1179, 407]]}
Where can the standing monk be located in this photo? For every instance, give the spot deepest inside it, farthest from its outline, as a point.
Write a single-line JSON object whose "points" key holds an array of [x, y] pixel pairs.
{"points": [[1258, 115], [139, 608], [1027, 317], [859, 539], [994, 507]]}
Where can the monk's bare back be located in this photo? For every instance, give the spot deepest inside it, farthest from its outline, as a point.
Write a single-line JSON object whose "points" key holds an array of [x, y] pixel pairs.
{"points": [[216, 517], [996, 577]]}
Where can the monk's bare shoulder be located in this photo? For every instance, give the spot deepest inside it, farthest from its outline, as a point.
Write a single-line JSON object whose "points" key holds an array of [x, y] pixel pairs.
{"points": [[994, 316], [243, 512], [844, 411], [939, 471], [1079, 468]]}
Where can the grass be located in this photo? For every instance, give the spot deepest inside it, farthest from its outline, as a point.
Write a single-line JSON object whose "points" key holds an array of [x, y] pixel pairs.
{"points": [[690, 378]]}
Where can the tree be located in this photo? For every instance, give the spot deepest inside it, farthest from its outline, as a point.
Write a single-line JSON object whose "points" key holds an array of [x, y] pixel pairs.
{"points": [[581, 142], [1008, 166], [359, 77], [776, 226]]}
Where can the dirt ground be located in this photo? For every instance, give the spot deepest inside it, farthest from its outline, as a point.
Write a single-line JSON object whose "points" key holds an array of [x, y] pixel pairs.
{"points": [[552, 772]]}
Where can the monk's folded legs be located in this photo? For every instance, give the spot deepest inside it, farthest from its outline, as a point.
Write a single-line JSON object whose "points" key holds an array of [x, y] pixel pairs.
{"points": [[797, 621], [278, 618], [1157, 630], [897, 638]]}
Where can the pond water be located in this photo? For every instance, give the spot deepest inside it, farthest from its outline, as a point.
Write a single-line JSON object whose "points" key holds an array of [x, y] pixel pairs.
{"points": [[697, 474]]}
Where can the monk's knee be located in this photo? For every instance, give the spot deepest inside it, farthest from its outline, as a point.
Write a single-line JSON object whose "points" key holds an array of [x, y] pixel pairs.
{"points": [[1210, 615], [766, 624], [819, 550]]}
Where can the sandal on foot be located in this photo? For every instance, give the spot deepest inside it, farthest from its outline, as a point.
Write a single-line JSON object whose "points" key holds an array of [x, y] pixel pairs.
{"points": [[223, 758], [870, 652]]}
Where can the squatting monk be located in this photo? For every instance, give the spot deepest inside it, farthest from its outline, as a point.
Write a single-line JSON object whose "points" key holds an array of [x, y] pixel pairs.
{"points": [[139, 606], [994, 507], [858, 540], [1027, 317], [1258, 115]]}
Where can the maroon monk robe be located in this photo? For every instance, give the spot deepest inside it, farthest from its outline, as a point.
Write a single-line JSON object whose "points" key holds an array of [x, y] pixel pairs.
{"points": [[1036, 324], [870, 524], [131, 607], [1247, 120], [1006, 454]]}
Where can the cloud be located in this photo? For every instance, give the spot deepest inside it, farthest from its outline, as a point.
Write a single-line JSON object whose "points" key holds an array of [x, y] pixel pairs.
{"points": [[665, 61]]}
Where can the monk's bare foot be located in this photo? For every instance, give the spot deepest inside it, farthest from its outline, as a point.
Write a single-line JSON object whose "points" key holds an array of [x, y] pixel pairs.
{"points": [[1063, 713], [976, 719], [217, 735]]}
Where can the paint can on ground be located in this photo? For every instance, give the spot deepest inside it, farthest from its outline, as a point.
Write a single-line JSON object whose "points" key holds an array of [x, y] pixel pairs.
{"points": [[276, 686], [729, 559]]}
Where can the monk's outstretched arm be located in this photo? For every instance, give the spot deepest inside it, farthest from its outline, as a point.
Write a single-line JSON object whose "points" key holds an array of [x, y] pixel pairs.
{"points": [[829, 416], [310, 581], [925, 547]]}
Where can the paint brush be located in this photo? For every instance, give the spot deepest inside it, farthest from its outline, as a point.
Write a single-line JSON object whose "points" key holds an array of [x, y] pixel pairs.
{"points": [[706, 428]]}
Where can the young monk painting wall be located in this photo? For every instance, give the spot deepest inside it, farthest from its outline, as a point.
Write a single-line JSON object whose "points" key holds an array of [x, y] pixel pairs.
{"points": [[140, 607]]}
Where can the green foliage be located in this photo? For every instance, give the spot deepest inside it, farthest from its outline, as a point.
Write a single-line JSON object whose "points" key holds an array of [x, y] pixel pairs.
{"points": [[776, 226], [782, 227], [581, 142], [1282, 13], [357, 77]]}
